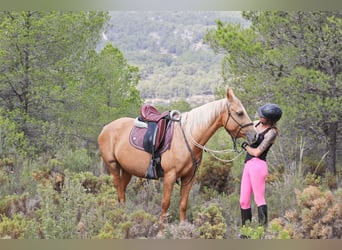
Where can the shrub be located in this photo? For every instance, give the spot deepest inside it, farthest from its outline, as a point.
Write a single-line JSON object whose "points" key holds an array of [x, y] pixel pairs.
{"points": [[12, 205], [146, 195], [12, 228], [120, 225], [215, 175], [210, 223], [77, 160], [93, 184], [253, 232], [277, 231], [142, 225], [116, 226], [183, 230], [59, 212], [317, 216], [75, 212]]}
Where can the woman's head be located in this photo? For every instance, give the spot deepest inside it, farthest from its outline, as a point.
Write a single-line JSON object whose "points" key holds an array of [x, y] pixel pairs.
{"points": [[270, 112]]}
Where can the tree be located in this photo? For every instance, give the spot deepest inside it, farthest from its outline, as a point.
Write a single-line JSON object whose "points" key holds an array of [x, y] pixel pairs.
{"points": [[106, 91], [40, 55], [293, 58], [11, 140]]}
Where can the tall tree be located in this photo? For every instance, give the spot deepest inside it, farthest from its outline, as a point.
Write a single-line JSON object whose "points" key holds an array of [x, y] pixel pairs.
{"points": [[40, 55], [106, 91], [293, 58]]}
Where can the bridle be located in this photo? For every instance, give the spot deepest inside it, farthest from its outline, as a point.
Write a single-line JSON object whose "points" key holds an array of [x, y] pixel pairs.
{"points": [[241, 126], [212, 152], [234, 139]]}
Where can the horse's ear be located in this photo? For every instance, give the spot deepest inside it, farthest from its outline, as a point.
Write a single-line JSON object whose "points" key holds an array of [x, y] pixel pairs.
{"points": [[230, 95]]}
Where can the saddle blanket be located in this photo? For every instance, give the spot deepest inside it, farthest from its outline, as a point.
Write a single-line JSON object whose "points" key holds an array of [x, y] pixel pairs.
{"points": [[136, 138]]}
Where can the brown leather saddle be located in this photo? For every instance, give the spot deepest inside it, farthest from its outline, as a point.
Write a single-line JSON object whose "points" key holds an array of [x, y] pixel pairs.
{"points": [[157, 122], [152, 133]]}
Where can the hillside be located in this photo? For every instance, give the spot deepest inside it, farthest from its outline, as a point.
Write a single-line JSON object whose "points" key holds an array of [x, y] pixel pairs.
{"points": [[168, 49]]}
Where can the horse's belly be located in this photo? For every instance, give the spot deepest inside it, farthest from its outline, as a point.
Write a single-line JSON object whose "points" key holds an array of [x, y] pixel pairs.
{"points": [[132, 160]]}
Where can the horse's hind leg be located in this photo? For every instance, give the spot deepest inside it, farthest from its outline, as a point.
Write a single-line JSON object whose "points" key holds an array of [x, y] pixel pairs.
{"points": [[120, 179], [125, 179]]}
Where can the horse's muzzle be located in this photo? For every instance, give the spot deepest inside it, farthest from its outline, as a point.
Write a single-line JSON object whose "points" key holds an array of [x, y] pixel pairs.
{"points": [[251, 136]]}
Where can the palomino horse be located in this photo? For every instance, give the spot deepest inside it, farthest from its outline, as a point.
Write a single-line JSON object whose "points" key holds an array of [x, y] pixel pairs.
{"points": [[183, 157]]}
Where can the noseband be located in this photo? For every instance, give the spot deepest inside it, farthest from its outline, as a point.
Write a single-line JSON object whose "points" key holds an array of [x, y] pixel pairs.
{"points": [[241, 126]]}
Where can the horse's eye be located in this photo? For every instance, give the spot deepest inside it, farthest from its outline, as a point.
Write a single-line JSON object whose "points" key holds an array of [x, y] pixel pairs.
{"points": [[240, 113]]}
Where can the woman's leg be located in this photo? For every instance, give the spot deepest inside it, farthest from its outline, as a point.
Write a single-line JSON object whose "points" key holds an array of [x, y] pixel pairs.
{"points": [[246, 188], [258, 173], [245, 197], [258, 181]]}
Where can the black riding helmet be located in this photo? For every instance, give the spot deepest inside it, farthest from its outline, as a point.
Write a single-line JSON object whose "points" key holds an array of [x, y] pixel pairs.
{"points": [[270, 111]]}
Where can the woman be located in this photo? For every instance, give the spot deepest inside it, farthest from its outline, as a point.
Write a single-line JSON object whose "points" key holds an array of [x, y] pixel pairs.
{"points": [[255, 169]]}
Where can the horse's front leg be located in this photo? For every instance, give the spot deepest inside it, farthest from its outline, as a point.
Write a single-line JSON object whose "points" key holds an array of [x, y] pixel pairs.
{"points": [[184, 196], [169, 182]]}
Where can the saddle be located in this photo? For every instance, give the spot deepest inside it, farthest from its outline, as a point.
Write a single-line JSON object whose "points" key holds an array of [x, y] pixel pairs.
{"points": [[152, 132], [157, 124]]}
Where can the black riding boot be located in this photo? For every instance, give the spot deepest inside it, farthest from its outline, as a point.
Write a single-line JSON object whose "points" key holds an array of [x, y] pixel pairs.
{"points": [[262, 215], [246, 214]]}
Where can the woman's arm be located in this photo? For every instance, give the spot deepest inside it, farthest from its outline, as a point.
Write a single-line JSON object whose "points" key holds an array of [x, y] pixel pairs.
{"points": [[269, 138]]}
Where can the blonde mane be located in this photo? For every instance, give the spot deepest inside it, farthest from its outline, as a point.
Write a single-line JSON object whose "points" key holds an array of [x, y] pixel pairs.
{"points": [[204, 115]]}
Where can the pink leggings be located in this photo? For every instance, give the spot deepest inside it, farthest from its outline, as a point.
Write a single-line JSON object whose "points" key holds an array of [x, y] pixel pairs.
{"points": [[253, 181]]}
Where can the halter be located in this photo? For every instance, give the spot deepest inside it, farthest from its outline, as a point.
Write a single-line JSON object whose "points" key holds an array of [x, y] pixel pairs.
{"points": [[241, 126]]}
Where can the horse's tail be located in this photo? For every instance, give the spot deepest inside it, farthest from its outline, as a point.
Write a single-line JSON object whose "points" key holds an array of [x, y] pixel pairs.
{"points": [[104, 170]]}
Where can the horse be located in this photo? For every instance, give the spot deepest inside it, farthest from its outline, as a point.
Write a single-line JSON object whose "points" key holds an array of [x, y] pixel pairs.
{"points": [[182, 159]]}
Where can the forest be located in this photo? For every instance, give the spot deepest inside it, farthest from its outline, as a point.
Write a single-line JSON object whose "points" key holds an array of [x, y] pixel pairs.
{"points": [[64, 75], [174, 62]]}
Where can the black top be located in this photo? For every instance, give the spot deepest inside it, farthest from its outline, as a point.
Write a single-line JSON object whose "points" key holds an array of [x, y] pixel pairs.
{"points": [[261, 137]]}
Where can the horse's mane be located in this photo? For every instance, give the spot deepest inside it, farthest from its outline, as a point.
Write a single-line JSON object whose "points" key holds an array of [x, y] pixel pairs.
{"points": [[204, 115]]}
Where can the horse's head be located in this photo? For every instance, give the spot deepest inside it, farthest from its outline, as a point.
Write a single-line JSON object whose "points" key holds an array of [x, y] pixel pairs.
{"points": [[237, 122]]}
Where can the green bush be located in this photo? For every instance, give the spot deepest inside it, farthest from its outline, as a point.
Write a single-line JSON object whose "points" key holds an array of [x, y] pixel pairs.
{"points": [[120, 225], [86, 207], [13, 228], [253, 232], [146, 195], [142, 225], [210, 223], [183, 230], [215, 175], [116, 226], [76, 160], [276, 231]]}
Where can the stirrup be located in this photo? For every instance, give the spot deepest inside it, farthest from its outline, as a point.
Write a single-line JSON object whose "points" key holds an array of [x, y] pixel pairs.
{"points": [[151, 172]]}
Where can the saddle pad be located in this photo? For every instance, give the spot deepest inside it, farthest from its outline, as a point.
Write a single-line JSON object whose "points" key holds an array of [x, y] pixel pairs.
{"points": [[136, 138]]}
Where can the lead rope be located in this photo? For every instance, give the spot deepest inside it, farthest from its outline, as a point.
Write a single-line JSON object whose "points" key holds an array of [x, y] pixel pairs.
{"points": [[234, 139], [214, 152]]}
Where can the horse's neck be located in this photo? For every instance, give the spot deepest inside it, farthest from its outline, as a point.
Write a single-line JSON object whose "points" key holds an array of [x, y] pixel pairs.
{"points": [[202, 135], [201, 125]]}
